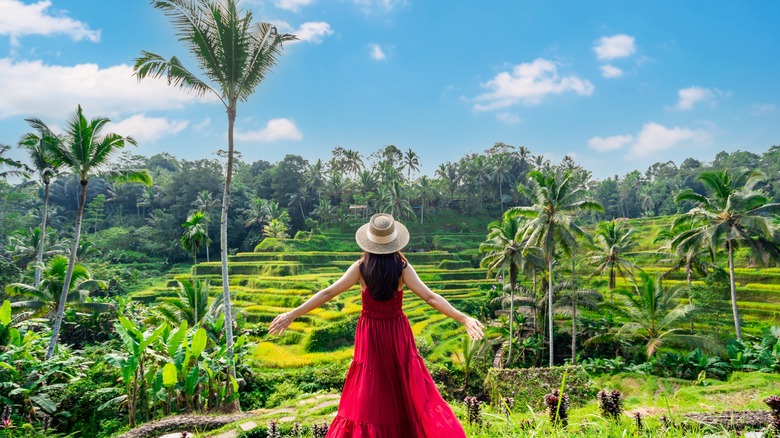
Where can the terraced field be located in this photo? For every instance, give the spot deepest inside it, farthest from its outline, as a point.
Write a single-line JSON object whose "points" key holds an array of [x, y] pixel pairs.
{"points": [[281, 275]]}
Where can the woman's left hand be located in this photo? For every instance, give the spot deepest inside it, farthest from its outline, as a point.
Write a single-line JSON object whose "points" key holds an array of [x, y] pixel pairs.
{"points": [[280, 323], [473, 328]]}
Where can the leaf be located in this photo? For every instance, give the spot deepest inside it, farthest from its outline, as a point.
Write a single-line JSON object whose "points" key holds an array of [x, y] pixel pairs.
{"points": [[44, 402], [199, 342], [175, 340], [5, 313], [235, 384], [170, 375], [192, 381]]}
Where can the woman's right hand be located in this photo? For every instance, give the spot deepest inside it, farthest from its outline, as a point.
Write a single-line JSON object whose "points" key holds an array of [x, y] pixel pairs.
{"points": [[474, 328], [280, 323]]}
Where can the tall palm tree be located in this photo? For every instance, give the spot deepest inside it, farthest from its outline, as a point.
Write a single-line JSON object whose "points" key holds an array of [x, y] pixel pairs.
{"points": [[693, 258], [570, 298], [425, 192], [612, 242], [206, 202], [195, 236], [38, 145], [353, 162], [551, 224], [448, 172], [85, 151], [314, 178], [44, 299], [503, 250], [235, 55], [393, 201], [734, 214], [14, 168], [412, 163], [500, 171]]}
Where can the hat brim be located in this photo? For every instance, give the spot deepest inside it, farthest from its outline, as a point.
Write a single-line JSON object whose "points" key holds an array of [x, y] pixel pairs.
{"points": [[361, 237]]}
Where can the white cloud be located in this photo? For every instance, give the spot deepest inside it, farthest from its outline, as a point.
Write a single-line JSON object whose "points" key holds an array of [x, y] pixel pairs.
{"points": [[654, 138], [508, 118], [603, 144], [309, 32], [19, 19], [292, 5], [377, 54], [613, 47], [275, 129], [610, 71], [203, 125], [529, 83], [34, 88], [761, 108], [690, 96], [143, 128]]}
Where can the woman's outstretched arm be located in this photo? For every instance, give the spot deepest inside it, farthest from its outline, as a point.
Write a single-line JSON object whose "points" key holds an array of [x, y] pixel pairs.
{"points": [[413, 282], [281, 322]]}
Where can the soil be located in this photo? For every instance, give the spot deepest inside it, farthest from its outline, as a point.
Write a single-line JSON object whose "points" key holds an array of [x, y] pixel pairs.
{"points": [[733, 420], [201, 423]]}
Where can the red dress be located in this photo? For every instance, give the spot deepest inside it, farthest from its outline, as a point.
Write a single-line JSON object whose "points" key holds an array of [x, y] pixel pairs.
{"points": [[388, 392]]}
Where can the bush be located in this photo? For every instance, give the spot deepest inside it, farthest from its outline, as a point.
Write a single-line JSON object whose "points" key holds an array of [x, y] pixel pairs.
{"points": [[529, 385], [332, 336], [282, 392], [454, 264]]}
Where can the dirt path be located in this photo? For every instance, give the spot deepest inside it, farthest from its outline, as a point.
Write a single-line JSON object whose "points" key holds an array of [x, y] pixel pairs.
{"points": [[201, 423]]}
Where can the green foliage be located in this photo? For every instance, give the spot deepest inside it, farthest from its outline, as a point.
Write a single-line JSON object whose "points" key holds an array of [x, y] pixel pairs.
{"points": [[529, 385], [454, 264], [332, 336]]}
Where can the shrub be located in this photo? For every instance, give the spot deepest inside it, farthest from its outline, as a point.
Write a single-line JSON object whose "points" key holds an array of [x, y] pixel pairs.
{"points": [[282, 392], [332, 336], [454, 264], [529, 385]]}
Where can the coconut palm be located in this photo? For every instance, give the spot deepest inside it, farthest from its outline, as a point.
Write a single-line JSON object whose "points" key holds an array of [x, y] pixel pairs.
{"points": [[85, 152], [500, 171], [206, 203], [551, 224], [570, 298], [411, 161], [612, 242], [235, 55], [503, 251], [44, 300], [194, 237], [693, 259], [14, 168], [734, 214], [425, 192], [314, 178], [653, 312], [191, 304], [38, 146], [393, 201]]}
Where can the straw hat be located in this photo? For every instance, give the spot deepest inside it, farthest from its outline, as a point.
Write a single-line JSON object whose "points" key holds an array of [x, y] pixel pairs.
{"points": [[382, 235]]}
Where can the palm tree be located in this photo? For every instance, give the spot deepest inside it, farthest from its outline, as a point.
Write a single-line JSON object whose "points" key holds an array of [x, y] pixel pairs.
{"points": [[503, 250], [15, 168], [45, 299], [653, 311], [191, 304], [570, 298], [412, 163], [314, 178], [353, 162], [85, 152], [425, 191], [206, 203], [500, 172], [613, 241], [734, 214], [551, 225], [235, 55], [38, 146], [449, 174], [695, 258], [194, 237], [393, 201]]}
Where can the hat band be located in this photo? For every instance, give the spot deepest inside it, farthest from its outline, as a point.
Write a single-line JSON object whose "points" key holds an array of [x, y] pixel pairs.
{"points": [[382, 239]]}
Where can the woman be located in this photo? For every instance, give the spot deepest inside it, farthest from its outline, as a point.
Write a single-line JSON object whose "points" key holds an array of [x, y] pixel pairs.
{"points": [[388, 392]]}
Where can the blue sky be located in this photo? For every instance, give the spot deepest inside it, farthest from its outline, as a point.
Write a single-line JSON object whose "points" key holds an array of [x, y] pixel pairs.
{"points": [[618, 85]]}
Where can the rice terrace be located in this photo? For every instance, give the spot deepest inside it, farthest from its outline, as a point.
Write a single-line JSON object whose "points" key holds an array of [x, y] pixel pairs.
{"points": [[194, 203]]}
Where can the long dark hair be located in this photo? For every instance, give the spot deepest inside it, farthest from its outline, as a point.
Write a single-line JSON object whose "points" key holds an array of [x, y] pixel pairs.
{"points": [[381, 273]]}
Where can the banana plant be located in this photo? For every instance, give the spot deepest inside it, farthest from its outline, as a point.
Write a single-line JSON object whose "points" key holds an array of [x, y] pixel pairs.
{"points": [[131, 364]]}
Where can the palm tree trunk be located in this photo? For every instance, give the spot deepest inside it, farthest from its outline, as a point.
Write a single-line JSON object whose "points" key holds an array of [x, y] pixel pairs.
{"points": [[733, 285], [223, 226], [688, 272], [43, 235], [207, 246], [536, 304], [55, 331], [550, 308], [573, 314], [512, 281], [195, 287]]}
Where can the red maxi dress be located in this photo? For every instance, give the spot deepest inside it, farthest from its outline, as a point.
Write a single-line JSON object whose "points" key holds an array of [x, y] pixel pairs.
{"points": [[388, 392]]}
